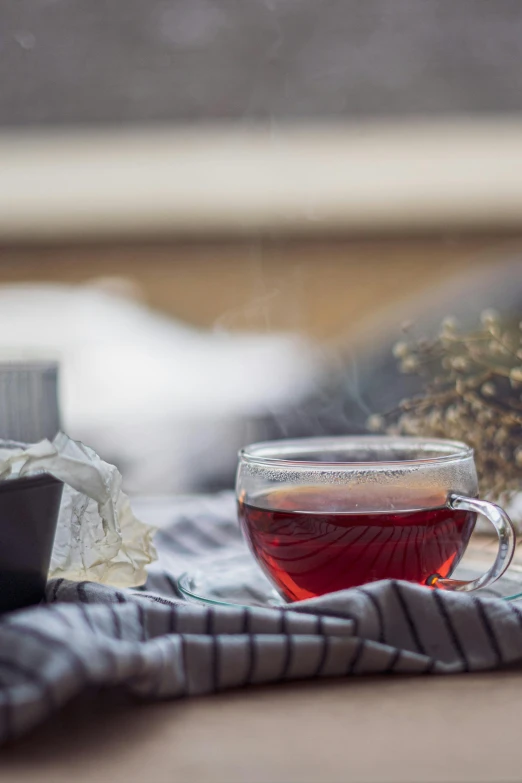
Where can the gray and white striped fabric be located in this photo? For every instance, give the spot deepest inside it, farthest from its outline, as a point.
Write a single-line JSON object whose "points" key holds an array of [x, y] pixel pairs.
{"points": [[158, 646]]}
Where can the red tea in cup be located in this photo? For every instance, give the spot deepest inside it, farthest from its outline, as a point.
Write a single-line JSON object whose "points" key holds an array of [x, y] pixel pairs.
{"points": [[325, 514], [307, 551]]}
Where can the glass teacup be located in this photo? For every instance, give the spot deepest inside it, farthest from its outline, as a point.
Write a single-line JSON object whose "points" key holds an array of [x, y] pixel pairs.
{"points": [[325, 514]]}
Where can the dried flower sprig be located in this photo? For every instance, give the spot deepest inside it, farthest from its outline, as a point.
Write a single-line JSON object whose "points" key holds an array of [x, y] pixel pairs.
{"points": [[473, 393]]}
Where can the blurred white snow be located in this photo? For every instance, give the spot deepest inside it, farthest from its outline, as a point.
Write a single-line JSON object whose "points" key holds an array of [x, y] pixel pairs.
{"points": [[167, 403]]}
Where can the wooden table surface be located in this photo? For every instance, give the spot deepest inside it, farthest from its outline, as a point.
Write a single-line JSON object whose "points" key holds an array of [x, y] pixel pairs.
{"points": [[455, 729], [419, 729]]}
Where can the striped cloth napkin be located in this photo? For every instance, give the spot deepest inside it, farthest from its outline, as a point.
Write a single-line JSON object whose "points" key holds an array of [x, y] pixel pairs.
{"points": [[157, 646]]}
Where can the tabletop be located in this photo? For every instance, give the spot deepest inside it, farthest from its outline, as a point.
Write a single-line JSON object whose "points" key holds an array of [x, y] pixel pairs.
{"points": [[366, 729]]}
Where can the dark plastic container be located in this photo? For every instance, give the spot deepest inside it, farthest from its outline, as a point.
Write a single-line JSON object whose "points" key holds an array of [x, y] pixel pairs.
{"points": [[29, 509]]}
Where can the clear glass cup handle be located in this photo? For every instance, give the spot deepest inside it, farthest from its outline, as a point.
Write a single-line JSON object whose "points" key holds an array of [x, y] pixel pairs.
{"points": [[506, 544]]}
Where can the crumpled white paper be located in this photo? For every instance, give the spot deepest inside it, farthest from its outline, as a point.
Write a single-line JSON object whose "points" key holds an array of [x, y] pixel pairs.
{"points": [[98, 538]]}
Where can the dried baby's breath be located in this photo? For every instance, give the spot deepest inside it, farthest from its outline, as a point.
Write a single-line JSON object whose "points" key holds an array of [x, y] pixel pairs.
{"points": [[473, 393]]}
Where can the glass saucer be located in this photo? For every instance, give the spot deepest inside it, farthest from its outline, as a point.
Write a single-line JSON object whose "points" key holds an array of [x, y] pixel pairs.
{"points": [[237, 580]]}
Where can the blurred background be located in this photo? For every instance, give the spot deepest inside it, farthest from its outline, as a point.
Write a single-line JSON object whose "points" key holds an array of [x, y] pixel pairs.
{"points": [[215, 215]]}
